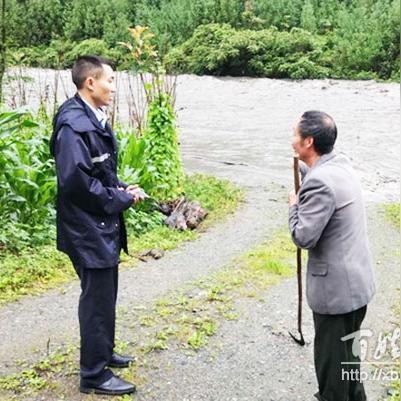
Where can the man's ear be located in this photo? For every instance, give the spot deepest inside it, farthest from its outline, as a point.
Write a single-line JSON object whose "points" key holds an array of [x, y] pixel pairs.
{"points": [[89, 84], [309, 140]]}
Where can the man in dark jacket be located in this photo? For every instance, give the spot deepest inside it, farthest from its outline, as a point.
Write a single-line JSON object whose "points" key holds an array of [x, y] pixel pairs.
{"points": [[90, 225]]}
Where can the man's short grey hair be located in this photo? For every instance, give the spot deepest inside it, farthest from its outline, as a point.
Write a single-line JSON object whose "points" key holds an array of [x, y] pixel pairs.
{"points": [[321, 127]]}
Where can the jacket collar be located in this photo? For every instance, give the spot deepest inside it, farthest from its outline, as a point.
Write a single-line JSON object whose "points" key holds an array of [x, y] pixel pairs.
{"points": [[99, 113], [92, 117], [324, 159]]}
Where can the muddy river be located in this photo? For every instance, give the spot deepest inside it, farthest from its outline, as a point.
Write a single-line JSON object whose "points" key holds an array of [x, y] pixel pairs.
{"points": [[241, 128]]}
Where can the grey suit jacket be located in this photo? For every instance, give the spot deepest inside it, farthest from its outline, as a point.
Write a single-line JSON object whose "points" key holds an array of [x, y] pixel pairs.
{"points": [[329, 220]]}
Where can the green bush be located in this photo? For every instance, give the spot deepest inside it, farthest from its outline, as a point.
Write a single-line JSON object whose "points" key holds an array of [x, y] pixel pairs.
{"points": [[165, 173], [61, 54], [358, 40], [361, 37], [387, 61], [308, 19], [221, 50], [283, 14], [51, 56], [27, 181], [34, 22], [100, 19], [90, 46], [153, 160], [174, 21]]}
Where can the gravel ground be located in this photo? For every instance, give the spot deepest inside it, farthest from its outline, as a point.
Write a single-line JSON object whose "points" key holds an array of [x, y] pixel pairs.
{"points": [[47, 316], [254, 359], [240, 129]]}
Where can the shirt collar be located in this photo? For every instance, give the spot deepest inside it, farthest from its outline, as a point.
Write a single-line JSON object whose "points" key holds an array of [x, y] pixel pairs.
{"points": [[99, 113]]}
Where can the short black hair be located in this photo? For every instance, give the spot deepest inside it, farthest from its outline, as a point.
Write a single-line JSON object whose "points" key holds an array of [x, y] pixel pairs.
{"points": [[86, 66], [321, 127]]}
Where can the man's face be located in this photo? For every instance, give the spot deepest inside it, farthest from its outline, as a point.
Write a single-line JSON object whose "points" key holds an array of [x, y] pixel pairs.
{"points": [[301, 146], [103, 87]]}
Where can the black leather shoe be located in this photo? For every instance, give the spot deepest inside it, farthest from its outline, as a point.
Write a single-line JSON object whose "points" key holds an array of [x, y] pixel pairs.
{"points": [[120, 361], [113, 386]]}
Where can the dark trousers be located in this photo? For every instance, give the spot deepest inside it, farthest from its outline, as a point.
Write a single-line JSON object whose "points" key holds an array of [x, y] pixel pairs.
{"points": [[97, 315], [335, 383]]}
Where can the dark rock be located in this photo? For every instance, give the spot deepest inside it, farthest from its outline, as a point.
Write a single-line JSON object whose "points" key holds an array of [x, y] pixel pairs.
{"points": [[186, 214]]}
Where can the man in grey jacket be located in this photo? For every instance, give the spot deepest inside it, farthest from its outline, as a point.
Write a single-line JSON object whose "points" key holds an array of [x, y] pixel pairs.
{"points": [[328, 219]]}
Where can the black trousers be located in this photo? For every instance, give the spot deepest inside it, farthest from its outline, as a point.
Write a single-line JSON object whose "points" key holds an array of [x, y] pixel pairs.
{"points": [[334, 378], [97, 315]]}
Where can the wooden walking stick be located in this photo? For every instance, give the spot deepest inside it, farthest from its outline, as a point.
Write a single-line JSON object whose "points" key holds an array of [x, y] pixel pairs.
{"points": [[300, 341]]}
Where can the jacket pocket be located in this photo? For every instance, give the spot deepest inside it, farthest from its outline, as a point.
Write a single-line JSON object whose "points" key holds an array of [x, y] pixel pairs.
{"points": [[316, 285], [108, 223]]}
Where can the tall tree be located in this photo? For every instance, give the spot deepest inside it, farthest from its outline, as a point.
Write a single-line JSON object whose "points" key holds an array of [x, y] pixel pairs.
{"points": [[2, 46]]}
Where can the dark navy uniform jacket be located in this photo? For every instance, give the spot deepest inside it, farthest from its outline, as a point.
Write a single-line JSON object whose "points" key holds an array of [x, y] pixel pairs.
{"points": [[90, 224]]}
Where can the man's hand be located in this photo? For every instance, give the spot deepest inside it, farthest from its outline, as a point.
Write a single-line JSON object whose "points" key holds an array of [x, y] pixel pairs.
{"points": [[131, 187], [137, 193], [292, 198]]}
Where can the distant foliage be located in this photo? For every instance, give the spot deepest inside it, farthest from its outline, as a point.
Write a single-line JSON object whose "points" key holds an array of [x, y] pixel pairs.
{"points": [[368, 39], [101, 19], [221, 50], [359, 38], [88, 46], [174, 21], [308, 19], [34, 22]]}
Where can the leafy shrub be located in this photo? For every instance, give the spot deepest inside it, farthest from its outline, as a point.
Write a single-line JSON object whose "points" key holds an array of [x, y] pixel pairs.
{"points": [[61, 54], [92, 47], [174, 21], [387, 61], [134, 164], [222, 50], [100, 19], [34, 23], [283, 14], [308, 19], [165, 171], [362, 35], [51, 56], [27, 180]]}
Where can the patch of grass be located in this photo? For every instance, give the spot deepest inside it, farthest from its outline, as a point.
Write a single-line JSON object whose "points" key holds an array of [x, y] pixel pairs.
{"points": [[219, 197], [18, 382], [161, 237], [158, 345], [33, 271], [392, 213], [40, 375], [276, 260], [396, 389]]}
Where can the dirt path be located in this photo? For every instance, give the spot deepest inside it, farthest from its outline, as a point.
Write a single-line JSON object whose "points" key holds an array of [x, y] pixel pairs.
{"points": [[46, 317], [254, 359], [240, 129]]}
